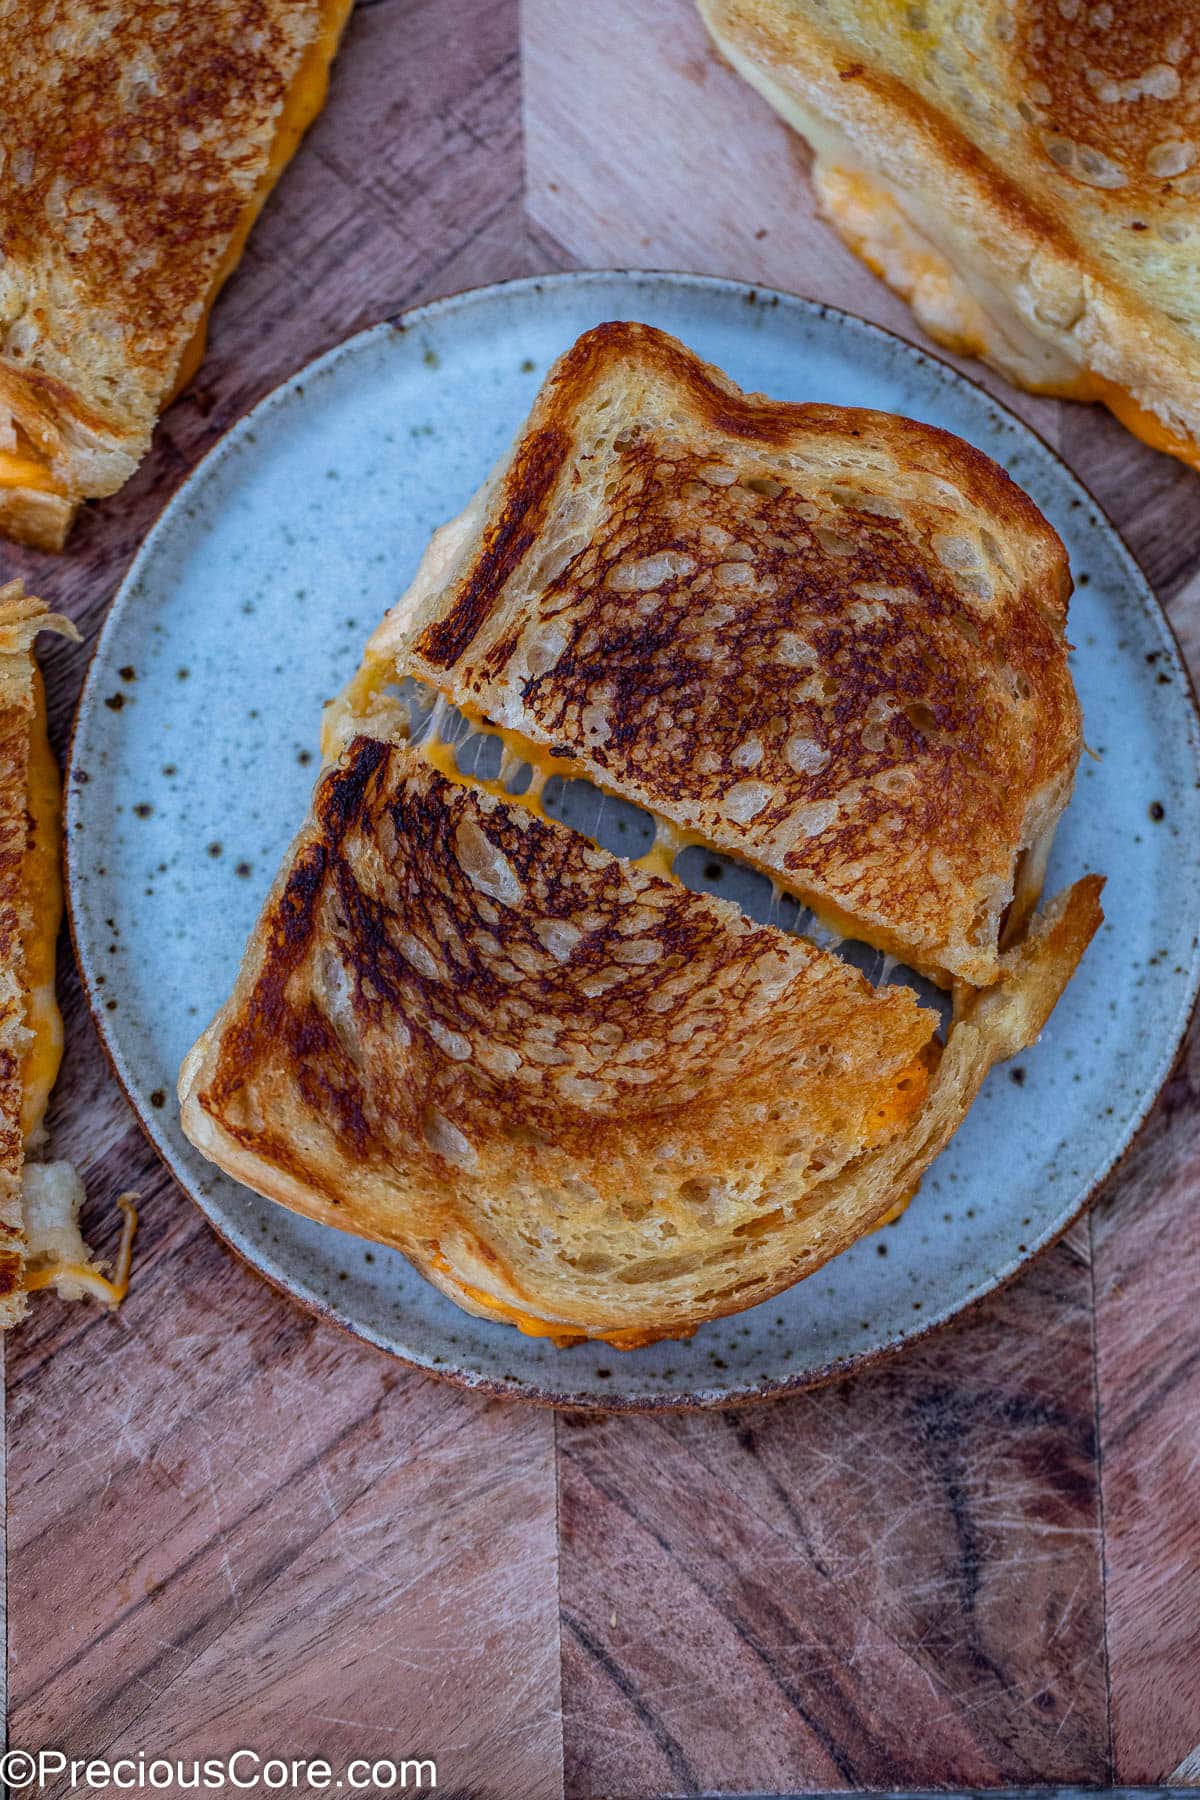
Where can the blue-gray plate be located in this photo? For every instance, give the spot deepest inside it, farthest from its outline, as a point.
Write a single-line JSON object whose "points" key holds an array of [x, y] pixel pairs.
{"points": [[249, 604]]}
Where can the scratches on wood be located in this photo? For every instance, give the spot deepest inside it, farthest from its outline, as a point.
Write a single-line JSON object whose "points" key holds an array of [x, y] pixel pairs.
{"points": [[893, 1578], [296, 1543], [227, 1520], [1147, 1275], [644, 148]]}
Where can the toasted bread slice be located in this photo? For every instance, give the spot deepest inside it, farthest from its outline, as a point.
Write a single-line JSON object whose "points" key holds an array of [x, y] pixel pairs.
{"points": [[1027, 177], [138, 149], [40, 1245], [16, 1038], [578, 1097], [827, 641]]}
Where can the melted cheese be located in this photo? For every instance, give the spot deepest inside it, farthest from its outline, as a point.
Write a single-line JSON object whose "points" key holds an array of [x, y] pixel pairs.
{"points": [[357, 706], [1139, 419], [669, 839], [74, 1279], [532, 1326], [25, 469], [965, 312], [898, 1211], [907, 1095], [42, 880], [893, 1113], [871, 222], [51, 1197], [561, 1336]]}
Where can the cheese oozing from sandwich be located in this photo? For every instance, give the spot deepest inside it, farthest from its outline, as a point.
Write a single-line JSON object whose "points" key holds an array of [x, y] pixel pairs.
{"points": [[51, 1192], [670, 840], [580, 1097], [26, 470], [946, 275], [440, 747], [56, 1255]]}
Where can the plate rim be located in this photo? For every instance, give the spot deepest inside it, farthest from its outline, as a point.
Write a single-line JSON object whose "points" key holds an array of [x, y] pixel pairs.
{"points": [[494, 1387]]}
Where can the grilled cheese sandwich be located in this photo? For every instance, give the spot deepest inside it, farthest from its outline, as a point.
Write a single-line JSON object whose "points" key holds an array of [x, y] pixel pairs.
{"points": [[130, 191], [1024, 177], [40, 1243], [833, 642], [581, 1098], [304, 101]]}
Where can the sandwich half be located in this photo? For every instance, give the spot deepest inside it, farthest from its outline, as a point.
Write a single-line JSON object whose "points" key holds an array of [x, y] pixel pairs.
{"points": [[579, 1096], [40, 1245], [1026, 175], [827, 641], [139, 146]]}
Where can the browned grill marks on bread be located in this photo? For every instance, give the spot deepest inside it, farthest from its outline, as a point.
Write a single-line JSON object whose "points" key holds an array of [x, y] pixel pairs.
{"points": [[580, 1097], [273, 1016], [438, 950], [1117, 92], [528, 486], [140, 140], [148, 131], [551, 1079], [452, 1000], [713, 677], [822, 639]]}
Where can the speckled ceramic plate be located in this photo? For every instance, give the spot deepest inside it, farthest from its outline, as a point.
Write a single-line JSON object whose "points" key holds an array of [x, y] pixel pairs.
{"points": [[195, 752]]}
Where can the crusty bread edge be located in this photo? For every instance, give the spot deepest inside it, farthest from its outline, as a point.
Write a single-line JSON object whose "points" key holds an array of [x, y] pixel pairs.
{"points": [[529, 476], [1024, 250], [91, 455], [990, 1026], [33, 517]]}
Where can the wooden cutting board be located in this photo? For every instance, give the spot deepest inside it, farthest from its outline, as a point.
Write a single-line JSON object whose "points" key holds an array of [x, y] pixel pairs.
{"points": [[228, 1523]]}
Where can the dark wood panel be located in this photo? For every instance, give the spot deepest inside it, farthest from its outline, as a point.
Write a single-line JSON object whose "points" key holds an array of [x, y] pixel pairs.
{"points": [[227, 1521], [884, 1583], [1148, 1348]]}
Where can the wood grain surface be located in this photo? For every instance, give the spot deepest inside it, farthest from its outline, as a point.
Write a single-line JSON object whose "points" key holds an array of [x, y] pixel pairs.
{"points": [[229, 1524]]}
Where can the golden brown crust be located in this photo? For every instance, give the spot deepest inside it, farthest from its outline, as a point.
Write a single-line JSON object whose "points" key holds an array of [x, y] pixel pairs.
{"points": [[1121, 82], [578, 1097], [31, 516], [827, 640], [1033, 171], [21, 618], [138, 139], [536, 1069]]}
